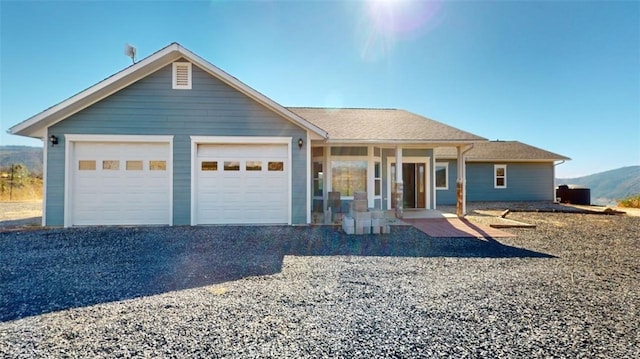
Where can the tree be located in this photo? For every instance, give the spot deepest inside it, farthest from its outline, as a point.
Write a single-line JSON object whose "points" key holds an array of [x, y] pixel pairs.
{"points": [[19, 175]]}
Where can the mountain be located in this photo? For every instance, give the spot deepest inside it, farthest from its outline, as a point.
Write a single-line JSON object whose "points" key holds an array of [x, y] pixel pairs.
{"points": [[609, 186], [30, 156]]}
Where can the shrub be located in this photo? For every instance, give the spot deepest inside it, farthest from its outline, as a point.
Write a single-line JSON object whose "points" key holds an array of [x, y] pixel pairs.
{"points": [[630, 202]]}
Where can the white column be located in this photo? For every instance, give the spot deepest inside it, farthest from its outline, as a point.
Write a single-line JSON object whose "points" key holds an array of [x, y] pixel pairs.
{"points": [[461, 190], [399, 183], [370, 177]]}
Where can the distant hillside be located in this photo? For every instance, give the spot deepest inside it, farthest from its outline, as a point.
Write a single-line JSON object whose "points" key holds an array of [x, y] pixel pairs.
{"points": [[30, 156], [609, 186]]}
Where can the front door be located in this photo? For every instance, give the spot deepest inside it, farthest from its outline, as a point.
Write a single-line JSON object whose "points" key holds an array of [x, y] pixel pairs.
{"points": [[414, 179]]}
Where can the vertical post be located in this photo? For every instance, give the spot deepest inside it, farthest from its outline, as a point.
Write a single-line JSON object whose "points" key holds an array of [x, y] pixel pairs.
{"points": [[461, 201], [399, 184]]}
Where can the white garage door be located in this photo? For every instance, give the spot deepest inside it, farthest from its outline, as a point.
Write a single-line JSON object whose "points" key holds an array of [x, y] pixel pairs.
{"points": [[120, 183], [242, 184]]}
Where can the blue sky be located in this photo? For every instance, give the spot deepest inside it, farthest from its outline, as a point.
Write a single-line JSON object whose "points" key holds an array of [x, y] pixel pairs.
{"points": [[563, 76]]}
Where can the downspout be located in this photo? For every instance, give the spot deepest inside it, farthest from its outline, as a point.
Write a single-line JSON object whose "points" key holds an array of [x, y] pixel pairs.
{"points": [[461, 190]]}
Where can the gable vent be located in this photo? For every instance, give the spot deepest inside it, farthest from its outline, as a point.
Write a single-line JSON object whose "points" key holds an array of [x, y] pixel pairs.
{"points": [[182, 75]]}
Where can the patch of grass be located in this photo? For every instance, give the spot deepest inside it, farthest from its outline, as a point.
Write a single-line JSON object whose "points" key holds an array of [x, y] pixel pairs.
{"points": [[630, 202], [29, 190]]}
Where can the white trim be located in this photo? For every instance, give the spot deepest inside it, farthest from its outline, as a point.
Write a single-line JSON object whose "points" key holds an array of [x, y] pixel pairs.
{"points": [[209, 140], [71, 139], [68, 151], [446, 179], [174, 75], [45, 151], [370, 177], [495, 176], [427, 191], [117, 138], [213, 140]]}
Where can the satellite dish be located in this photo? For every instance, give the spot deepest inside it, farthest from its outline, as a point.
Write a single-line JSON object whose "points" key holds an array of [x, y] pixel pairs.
{"points": [[130, 51]]}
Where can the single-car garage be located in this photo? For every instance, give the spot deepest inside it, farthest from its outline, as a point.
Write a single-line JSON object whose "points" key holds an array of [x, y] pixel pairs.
{"points": [[242, 183], [118, 183]]}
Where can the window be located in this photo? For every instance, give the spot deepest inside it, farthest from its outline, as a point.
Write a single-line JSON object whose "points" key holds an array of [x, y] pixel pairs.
{"points": [[209, 166], [134, 165], [253, 166], [231, 165], [442, 175], [349, 176], [276, 166], [111, 165], [500, 176], [181, 76], [158, 165], [318, 179], [87, 165], [377, 179]]}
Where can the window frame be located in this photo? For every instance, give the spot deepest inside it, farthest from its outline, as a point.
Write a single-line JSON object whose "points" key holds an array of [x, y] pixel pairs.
{"points": [[446, 175], [496, 176]]}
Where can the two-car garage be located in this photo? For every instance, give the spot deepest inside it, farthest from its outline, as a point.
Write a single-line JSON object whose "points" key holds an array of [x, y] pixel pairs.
{"points": [[130, 181]]}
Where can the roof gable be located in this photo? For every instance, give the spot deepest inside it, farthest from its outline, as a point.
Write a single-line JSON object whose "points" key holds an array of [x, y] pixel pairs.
{"points": [[382, 125], [35, 126]]}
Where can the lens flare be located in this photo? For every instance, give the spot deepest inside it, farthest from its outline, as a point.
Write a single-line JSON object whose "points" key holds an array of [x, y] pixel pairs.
{"points": [[386, 22]]}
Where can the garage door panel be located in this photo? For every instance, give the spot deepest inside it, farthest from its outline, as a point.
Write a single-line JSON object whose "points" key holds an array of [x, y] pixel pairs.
{"points": [[251, 194]]}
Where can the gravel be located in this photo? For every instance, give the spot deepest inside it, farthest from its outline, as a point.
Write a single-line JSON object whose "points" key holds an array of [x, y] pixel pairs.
{"points": [[568, 288]]}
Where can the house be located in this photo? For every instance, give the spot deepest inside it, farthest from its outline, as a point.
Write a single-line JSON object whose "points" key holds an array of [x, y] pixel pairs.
{"points": [[174, 140]]}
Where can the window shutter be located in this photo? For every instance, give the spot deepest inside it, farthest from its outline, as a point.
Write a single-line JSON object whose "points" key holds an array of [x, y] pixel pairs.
{"points": [[182, 75]]}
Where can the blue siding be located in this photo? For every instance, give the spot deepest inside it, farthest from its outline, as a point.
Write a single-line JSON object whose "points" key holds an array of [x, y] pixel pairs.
{"points": [[525, 182], [448, 196], [151, 107]]}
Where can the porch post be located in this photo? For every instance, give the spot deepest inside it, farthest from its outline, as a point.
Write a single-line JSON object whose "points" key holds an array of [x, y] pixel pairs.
{"points": [[399, 183], [461, 183]]}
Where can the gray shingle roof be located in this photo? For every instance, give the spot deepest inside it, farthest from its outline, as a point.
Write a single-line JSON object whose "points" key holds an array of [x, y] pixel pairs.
{"points": [[502, 151], [380, 125]]}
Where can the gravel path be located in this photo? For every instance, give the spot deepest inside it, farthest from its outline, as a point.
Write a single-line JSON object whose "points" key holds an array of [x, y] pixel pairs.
{"points": [[566, 289]]}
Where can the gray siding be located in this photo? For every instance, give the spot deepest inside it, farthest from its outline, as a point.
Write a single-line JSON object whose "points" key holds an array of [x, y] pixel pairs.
{"points": [[151, 107], [525, 182]]}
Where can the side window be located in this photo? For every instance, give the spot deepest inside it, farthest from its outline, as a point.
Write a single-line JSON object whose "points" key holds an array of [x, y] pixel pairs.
{"points": [[442, 175], [500, 176]]}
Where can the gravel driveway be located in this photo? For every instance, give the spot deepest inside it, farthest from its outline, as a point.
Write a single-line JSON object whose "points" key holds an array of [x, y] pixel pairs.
{"points": [[566, 289]]}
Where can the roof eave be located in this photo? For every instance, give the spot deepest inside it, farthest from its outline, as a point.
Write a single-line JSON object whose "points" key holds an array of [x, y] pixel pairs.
{"points": [[437, 143]]}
